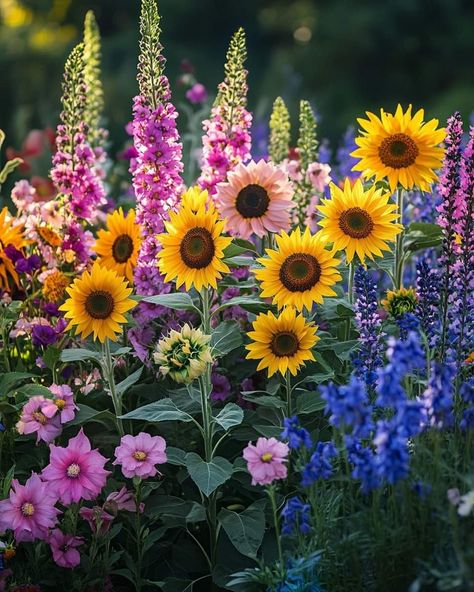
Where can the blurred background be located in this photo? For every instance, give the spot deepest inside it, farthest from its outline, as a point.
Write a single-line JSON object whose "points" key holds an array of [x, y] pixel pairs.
{"points": [[344, 56]]}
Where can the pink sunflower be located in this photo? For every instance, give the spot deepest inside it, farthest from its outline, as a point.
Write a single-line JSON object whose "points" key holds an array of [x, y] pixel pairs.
{"points": [[256, 199], [76, 472], [265, 460], [29, 510]]}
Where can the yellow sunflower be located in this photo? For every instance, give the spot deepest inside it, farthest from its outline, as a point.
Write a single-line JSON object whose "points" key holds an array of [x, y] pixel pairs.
{"points": [[118, 244], [97, 303], [49, 236], [193, 248], [195, 197], [282, 343], [400, 148], [9, 235], [358, 221], [301, 271]]}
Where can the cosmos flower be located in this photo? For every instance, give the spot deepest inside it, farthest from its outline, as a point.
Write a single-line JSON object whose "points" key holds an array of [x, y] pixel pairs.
{"points": [[139, 454], [266, 460]]}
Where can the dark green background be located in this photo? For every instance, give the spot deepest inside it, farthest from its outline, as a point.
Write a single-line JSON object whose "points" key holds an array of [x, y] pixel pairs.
{"points": [[362, 55]]}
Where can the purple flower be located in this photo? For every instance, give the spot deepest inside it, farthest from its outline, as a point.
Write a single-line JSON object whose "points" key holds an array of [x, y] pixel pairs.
{"points": [[43, 335], [197, 94], [427, 290], [221, 387], [319, 465], [407, 323], [438, 396], [13, 253]]}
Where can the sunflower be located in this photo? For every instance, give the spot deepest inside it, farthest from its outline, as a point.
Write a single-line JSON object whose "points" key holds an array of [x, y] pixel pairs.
{"points": [[359, 221], [9, 235], [400, 302], [193, 248], [282, 343], [118, 244], [97, 302], [195, 197], [400, 148], [49, 236], [301, 271], [255, 200]]}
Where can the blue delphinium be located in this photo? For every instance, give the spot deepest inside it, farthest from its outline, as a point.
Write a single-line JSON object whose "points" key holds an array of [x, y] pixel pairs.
{"points": [[296, 435], [438, 396], [407, 323], [348, 406], [467, 395], [368, 322], [300, 575], [391, 447], [296, 517], [364, 464], [427, 290], [320, 464]]}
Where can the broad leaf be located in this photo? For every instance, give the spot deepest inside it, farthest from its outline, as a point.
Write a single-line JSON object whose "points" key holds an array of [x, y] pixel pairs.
{"points": [[420, 235], [176, 300], [175, 456], [250, 303], [232, 415], [225, 338], [245, 530], [88, 414], [11, 379], [208, 476], [129, 381], [307, 402], [79, 355], [264, 400], [163, 410]]}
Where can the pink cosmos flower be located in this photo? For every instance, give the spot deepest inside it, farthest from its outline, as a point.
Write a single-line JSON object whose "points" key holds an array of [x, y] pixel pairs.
{"points": [[64, 548], [318, 175], [76, 472], [138, 455], [265, 460], [29, 511], [98, 519], [122, 500], [197, 94], [63, 403], [255, 200], [34, 419]]}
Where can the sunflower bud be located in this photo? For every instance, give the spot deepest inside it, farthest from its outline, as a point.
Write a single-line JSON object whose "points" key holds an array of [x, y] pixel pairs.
{"points": [[400, 302]]}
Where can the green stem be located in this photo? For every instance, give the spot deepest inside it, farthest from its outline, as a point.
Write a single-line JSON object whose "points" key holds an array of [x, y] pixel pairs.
{"points": [[350, 298], [276, 524], [289, 406], [138, 582], [108, 372], [399, 258]]}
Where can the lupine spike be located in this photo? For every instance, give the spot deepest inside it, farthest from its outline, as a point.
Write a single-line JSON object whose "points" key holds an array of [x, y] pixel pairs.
{"points": [[151, 62], [73, 99], [307, 138], [233, 90], [280, 131], [95, 95]]}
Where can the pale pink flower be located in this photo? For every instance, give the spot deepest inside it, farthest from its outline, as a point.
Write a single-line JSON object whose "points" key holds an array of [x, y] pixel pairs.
{"points": [[256, 199], [76, 472], [138, 455], [292, 169], [64, 548], [88, 381], [318, 175], [29, 510], [62, 405], [33, 419], [265, 460]]}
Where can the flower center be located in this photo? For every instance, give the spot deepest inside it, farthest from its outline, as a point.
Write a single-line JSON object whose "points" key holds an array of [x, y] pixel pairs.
{"points": [[356, 222], [27, 509], [122, 248], [267, 457], [99, 304], [139, 455], [60, 404], [197, 248], [398, 151], [73, 471], [300, 272], [252, 201], [39, 417], [284, 343]]}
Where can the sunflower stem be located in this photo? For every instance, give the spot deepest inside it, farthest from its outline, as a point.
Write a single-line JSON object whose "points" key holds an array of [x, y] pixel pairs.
{"points": [[399, 258], [350, 298], [289, 406], [276, 524], [108, 374]]}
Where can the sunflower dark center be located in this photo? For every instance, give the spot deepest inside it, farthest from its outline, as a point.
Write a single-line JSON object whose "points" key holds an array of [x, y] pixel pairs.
{"points": [[99, 304], [398, 151], [197, 248], [252, 201], [122, 248], [284, 343], [300, 272], [356, 222]]}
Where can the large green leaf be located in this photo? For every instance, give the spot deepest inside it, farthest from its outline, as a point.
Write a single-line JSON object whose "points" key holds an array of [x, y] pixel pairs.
{"points": [[129, 381], [250, 303], [176, 300], [9, 380], [88, 414], [420, 235], [225, 338], [163, 410], [245, 530], [309, 402], [208, 476], [79, 355], [232, 415]]}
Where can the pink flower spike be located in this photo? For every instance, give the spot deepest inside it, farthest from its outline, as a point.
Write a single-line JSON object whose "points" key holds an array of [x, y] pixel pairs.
{"points": [[265, 460], [63, 403], [64, 549], [33, 419], [138, 455], [29, 510], [76, 472]]}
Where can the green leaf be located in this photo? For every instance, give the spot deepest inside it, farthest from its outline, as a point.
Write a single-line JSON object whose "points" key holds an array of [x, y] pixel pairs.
{"points": [[245, 530], [239, 261], [176, 300], [264, 400], [88, 414], [420, 235], [208, 476], [308, 402], [225, 338], [51, 356], [121, 387], [249, 303], [232, 415], [79, 355], [163, 410], [33, 390], [237, 247], [9, 380], [175, 456]]}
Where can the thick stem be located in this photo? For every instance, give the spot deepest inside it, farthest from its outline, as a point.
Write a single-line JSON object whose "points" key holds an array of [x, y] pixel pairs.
{"points": [[399, 258], [276, 523], [350, 298], [108, 374], [139, 542], [289, 406]]}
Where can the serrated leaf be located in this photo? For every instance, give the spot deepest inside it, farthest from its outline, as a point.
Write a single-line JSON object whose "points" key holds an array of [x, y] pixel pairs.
{"points": [[245, 529], [232, 415], [208, 476], [163, 410]]}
